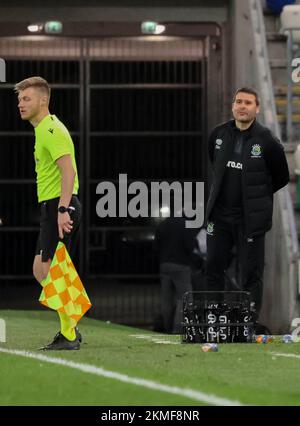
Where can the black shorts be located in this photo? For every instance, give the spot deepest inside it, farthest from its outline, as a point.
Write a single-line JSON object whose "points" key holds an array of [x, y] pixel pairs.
{"points": [[48, 237]]}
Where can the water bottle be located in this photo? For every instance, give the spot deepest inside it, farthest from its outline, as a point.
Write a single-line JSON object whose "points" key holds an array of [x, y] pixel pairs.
{"points": [[287, 338], [210, 347], [263, 338]]}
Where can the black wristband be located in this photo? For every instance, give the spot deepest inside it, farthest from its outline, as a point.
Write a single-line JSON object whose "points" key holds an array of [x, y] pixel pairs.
{"points": [[62, 209]]}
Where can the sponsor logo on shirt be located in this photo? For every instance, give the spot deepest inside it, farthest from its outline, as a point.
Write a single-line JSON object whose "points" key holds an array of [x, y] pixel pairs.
{"points": [[256, 151], [210, 228], [234, 165], [218, 143]]}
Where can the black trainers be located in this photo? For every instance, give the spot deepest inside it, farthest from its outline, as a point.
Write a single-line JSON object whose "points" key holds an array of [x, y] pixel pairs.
{"points": [[78, 335], [61, 343]]}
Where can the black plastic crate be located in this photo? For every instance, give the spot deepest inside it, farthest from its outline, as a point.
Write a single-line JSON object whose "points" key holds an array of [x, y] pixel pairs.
{"points": [[217, 317]]}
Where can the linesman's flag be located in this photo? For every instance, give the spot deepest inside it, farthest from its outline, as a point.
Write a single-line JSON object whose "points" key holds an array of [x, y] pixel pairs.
{"points": [[63, 290]]}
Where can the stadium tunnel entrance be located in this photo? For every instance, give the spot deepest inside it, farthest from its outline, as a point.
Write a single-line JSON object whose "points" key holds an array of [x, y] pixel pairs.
{"points": [[135, 104]]}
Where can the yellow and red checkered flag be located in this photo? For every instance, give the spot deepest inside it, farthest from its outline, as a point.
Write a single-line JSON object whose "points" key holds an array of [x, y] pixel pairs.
{"points": [[63, 290]]}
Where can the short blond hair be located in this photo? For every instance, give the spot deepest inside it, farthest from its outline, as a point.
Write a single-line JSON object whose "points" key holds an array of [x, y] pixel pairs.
{"points": [[38, 82]]}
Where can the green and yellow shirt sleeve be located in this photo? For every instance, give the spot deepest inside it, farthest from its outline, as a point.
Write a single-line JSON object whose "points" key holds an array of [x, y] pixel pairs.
{"points": [[56, 144], [52, 141]]}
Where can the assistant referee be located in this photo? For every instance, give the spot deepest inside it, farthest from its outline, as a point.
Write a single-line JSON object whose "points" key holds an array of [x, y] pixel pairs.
{"points": [[57, 188]]}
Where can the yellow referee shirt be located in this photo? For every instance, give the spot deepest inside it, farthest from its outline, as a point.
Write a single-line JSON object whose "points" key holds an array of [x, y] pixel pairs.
{"points": [[52, 141]]}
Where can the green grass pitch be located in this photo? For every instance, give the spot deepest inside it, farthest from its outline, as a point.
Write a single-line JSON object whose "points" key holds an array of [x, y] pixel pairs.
{"points": [[250, 374]]}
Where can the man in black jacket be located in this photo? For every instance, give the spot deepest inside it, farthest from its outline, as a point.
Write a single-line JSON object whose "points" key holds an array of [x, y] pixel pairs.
{"points": [[249, 166]]}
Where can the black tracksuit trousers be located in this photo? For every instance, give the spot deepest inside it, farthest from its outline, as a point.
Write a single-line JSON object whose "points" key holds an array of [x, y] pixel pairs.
{"points": [[221, 237]]}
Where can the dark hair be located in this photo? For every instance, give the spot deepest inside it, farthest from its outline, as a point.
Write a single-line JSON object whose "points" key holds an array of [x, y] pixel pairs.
{"points": [[247, 90]]}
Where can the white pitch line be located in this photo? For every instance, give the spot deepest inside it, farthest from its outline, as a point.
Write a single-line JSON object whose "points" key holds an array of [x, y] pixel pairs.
{"points": [[98, 371], [285, 355], [155, 339]]}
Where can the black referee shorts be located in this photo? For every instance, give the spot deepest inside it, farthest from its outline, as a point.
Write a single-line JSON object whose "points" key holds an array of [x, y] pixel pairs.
{"points": [[48, 237]]}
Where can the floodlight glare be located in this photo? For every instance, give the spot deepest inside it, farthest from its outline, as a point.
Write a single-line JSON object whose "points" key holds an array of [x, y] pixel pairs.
{"points": [[160, 29], [53, 27], [151, 27], [35, 28], [165, 210]]}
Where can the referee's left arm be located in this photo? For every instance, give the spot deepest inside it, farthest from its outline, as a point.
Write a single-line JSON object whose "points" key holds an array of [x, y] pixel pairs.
{"points": [[67, 185]]}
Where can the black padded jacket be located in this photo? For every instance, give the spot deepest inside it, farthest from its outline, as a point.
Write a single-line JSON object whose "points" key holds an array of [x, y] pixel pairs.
{"points": [[264, 172]]}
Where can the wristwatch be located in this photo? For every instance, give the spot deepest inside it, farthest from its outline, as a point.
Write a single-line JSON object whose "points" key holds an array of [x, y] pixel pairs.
{"points": [[62, 209]]}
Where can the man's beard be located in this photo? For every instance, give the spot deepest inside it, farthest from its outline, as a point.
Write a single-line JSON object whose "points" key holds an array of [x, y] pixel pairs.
{"points": [[244, 119]]}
